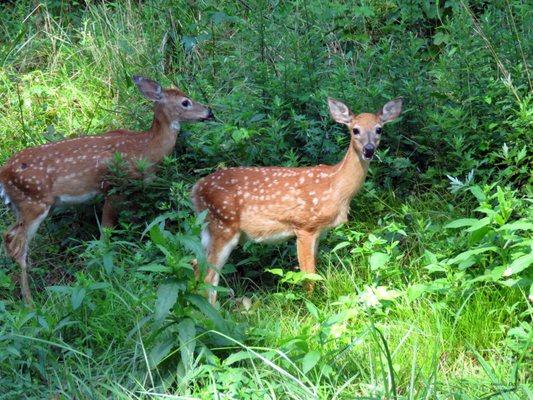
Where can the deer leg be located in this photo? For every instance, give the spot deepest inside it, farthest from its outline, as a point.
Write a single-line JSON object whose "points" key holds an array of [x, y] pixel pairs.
{"points": [[219, 246], [306, 244], [18, 238], [109, 213], [24, 284]]}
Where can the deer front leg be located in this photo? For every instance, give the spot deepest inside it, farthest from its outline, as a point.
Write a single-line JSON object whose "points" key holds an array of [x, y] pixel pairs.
{"points": [[306, 244]]}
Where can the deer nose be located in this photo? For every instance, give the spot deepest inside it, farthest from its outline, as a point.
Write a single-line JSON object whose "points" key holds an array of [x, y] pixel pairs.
{"points": [[210, 114], [368, 150]]}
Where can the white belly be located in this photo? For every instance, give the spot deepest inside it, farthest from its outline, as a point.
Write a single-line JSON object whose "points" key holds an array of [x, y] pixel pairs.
{"points": [[68, 199], [272, 238]]}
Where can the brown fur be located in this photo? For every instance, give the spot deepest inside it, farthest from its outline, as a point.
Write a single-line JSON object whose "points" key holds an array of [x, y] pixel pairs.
{"points": [[74, 170], [266, 203]]}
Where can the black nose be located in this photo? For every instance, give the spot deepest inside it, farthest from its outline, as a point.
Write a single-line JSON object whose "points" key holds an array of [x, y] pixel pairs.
{"points": [[368, 150], [210, 114]]}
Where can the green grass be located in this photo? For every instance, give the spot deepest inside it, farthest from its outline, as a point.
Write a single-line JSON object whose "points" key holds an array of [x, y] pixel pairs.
{"points": [[440, 347], [266, 69]]}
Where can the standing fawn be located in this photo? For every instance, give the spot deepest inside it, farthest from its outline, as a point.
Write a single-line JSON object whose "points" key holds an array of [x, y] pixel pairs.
{"points": [[75, 170], [273, 203]]}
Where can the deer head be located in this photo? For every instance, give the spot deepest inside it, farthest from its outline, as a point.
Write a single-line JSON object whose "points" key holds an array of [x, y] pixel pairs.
{"points": [[366, 128], [172, 103]]}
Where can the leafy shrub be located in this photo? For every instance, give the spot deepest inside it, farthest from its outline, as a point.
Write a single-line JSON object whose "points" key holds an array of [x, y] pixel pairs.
{"points": [[183, 319], [495, 247]]}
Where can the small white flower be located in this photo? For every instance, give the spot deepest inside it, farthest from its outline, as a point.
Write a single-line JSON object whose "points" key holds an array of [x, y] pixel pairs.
{"points": [[369, 298], [337, 330], [383, 294], [372, 296]]}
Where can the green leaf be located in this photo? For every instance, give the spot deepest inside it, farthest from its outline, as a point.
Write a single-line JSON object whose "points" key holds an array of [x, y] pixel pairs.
{"points": [[194, 245], [337, 318], [218, 17], [465, 264], [310, 360], [160, 220], [157, 236], [155, 268], [440, 38], [460, 223], [481, 223], [363, 11], [59, 289], [186, 335], [312, 309], [518, 265], [520, 155], [340, 245], [247, 355], [469, 253], [239, 356], [476, 236], [416, 290], [435, 268], [209, 311], [77, 296], [518, 225], [188, 42], [478, 193], [168, 254], [159, 352], [109, 265], [378, 260], [239, 135], [276, 271], [167, 294], [13, 351], [98, 286], [310, 276]]}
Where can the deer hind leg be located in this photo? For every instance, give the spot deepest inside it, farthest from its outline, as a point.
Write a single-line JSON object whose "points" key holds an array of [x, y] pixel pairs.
{"points": [[306, 245], [109, 212], [219, 243], [19, 236]]}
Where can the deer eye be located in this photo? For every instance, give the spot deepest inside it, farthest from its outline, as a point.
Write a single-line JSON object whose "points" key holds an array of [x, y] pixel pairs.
{"points": [[379, 130], [356, 131], [186, 103]]}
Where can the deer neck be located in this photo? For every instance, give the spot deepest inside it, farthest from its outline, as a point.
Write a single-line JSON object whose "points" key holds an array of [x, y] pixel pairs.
{"points": [[350, 174], [162, 136]]}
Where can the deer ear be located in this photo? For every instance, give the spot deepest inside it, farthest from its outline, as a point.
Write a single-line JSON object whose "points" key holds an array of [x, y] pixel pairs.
{"points": [[391, 110], [149, 88], [339, 111]]}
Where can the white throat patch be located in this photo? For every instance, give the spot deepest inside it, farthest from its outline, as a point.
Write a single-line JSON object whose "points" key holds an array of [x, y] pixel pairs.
{"points": [[175, 125], [4, 196]]}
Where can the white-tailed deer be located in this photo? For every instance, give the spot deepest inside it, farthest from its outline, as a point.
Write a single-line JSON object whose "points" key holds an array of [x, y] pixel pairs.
{"points": [[75, 170], [272, 203]]}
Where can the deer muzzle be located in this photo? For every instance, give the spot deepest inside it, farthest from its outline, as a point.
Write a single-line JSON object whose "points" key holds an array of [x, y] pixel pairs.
{"points": [[368, 151], [210, 115]]}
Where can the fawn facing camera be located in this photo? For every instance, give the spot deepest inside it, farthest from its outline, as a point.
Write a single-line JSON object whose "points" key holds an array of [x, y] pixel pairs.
{"points": [[273, 203]]}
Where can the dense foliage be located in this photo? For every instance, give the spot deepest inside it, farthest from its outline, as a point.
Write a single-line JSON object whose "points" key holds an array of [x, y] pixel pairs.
{"points": [[422, 294]]}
